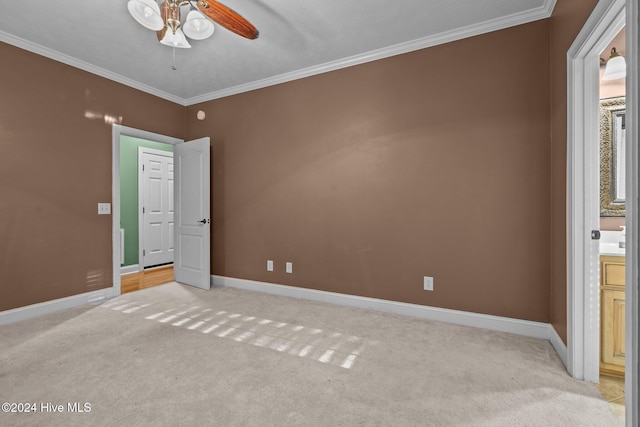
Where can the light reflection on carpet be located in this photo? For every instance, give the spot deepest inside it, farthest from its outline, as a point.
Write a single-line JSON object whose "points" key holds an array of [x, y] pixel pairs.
{"points": [[334, 348]]}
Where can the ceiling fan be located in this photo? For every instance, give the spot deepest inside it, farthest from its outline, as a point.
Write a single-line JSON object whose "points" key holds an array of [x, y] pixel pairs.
{"points": [[165, 20]]}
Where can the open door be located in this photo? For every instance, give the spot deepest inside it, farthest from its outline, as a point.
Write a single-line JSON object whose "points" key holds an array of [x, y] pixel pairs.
{"points": [[192, 234]]}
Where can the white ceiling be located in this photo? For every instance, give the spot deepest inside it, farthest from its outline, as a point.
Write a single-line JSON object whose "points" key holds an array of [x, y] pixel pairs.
{"points": [[298, 38]]}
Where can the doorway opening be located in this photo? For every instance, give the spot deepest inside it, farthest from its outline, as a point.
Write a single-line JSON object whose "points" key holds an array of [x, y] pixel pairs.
{"points": [[612, 244], [146, 204], [192, 180], [584, 214], [146, 213], [127, 258]]}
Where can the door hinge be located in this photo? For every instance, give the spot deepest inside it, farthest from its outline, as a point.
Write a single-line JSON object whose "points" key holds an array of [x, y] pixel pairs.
{"points": [[144, 252], [143, 209]]}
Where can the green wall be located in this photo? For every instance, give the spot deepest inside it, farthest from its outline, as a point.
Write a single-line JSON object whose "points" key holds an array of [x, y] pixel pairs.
{"points": [[129, 192]]}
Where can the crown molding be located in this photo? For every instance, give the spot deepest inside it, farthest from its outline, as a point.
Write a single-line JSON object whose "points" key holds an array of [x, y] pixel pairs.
{"points": [[532, 15], [85, 66], [513, 20]]}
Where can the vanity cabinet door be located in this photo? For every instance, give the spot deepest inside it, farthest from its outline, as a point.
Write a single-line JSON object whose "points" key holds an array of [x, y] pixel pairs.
{"points": [[612, 345], [612, 281]]}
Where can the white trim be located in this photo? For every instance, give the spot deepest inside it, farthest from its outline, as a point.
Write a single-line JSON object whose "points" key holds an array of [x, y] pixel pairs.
{"points": [[85, 66], [583, 295], [558, 345], [129, 269], [115, 204], [512, 20], [121, 246], [53, 306], [484, 321], [632, 362], [539, 13], [116, 132]]}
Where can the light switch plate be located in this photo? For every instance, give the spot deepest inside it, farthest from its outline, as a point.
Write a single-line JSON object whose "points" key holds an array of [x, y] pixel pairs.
{"points": [[104, 208], [269, 265], [289, 267], [428, 283]]}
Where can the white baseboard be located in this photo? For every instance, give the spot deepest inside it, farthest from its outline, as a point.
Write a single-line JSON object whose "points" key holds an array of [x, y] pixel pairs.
{"points": [[558, 345], [485, 321], [128, 269], [48, 307]]}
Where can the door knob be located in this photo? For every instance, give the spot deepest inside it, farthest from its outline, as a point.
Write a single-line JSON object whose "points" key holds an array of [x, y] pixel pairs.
{"points": [[203, 221]]}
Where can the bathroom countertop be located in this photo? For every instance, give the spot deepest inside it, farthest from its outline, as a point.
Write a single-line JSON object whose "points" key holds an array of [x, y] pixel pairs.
{"points": [[611, 249]]}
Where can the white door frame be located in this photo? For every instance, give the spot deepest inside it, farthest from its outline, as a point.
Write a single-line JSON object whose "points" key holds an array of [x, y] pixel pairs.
{"points": [[582, 142], [632, 367], [583, 293], [116, 132], [142, 150]]}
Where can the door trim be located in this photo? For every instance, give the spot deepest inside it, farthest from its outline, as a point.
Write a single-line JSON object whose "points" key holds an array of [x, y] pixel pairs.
{"points": [[116, 132], [583, 295], [141, 151], [632, 367]]}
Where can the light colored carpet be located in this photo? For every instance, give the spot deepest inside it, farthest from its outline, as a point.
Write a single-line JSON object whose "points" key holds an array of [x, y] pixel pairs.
{"points": [[178, 356]]}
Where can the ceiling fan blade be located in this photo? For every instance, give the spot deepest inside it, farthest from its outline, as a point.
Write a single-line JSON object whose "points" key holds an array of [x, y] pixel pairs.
{"points": [[229, 19]]}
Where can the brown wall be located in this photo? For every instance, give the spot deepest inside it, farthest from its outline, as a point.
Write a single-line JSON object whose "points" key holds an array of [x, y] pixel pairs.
{"points": [[55, 166], [566, 22], [435, 163]]}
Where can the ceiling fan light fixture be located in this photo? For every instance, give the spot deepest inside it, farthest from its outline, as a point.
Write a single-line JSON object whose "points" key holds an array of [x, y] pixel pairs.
{"points": [[197, 26], [163, 17], [170, 10], [175, 40], [616, 66], [147, 13]]}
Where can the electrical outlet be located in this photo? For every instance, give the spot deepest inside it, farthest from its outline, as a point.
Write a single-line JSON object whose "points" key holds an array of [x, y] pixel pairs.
{"points": [[428, 283], [289, 267], [269, 265], [104, 208]]}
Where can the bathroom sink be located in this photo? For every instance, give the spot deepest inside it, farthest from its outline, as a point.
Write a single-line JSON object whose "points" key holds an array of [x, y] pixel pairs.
{"points": [[611, 249]]}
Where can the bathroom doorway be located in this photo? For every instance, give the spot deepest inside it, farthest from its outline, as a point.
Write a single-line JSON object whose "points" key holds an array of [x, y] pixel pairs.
{"points": [[612, 244], [583, 220], [583, 204]]}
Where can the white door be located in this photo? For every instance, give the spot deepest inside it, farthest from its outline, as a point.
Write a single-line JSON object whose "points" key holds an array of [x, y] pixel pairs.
{"points": [[193, 223], [156, 196]]}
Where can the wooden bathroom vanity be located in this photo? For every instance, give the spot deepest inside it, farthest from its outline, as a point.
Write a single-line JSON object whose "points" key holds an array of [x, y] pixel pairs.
{"points": [[612, 314]]}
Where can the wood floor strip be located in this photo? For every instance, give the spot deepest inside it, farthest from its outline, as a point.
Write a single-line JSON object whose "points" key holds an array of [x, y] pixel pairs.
{"points": [[145, 279]]}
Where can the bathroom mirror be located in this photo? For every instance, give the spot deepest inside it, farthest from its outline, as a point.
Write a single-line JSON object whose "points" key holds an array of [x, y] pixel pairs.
{"points": [[612, 157]]}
